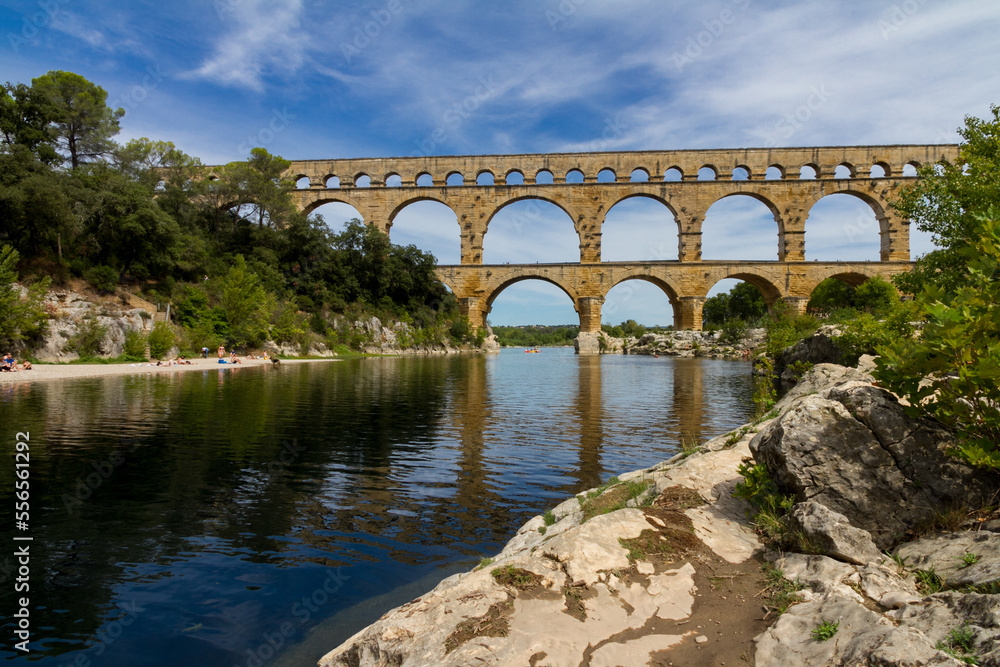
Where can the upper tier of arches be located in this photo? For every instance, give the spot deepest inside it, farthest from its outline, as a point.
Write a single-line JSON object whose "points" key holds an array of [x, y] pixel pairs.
{"points": [[824, 163]]}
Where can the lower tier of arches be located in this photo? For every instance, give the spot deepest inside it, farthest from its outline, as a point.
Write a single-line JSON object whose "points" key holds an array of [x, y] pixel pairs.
{"points": [[686, 284]]}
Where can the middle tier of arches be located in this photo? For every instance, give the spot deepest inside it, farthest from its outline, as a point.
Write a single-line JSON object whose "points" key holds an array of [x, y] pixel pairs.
{"points": [[587, 206]]}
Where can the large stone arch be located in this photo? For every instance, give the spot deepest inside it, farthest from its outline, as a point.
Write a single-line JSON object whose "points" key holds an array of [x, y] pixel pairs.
{"points": [[430, 196], [633, 194], [337, 197], [496, 287], [564, 206], [500, 204], [894, 231], [768, 281], [757, 196], [877, 208], [662, 282]]}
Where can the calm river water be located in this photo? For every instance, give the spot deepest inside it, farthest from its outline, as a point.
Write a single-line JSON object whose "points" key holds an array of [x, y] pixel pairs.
{"points": [[261, 516]]}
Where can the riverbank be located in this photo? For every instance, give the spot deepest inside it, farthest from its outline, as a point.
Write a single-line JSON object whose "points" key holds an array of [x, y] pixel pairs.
{"points": [[665, 567], [46, 372]]}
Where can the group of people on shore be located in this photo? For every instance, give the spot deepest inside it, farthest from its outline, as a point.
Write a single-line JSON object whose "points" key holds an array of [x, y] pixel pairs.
{"points": [[9, 365], [233, 359]]}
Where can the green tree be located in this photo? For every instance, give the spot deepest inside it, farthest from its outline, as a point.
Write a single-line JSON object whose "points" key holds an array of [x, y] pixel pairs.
{"points": [[946, 200], [830, 295], [25, 118], [746, 302], [36, 203], [716, 309], [20, 318], [126, 225], [743, 302], [952, 371], [82, 122], [259, 185], [876, 296], [246, 305]]}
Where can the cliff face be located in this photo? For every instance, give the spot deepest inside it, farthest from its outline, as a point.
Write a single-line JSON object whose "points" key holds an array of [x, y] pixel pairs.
{"points": [[74, 311], [70, 311]]}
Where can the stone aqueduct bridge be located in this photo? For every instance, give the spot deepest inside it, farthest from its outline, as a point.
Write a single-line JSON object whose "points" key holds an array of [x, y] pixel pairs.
{"points": [[379, 188]]}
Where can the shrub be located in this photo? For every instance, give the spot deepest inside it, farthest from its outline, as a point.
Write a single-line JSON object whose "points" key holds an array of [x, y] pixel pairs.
{"points": [[876, 296], [460, 330], [785, 329], [764, 393], [88, 339], [768, 506], [952, 372], [734, 330], [135, 344], [161, 340], [19, 318], [102, 278]]}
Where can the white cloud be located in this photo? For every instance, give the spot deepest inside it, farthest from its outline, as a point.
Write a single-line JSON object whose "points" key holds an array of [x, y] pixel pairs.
{"points": [[264, 38]]}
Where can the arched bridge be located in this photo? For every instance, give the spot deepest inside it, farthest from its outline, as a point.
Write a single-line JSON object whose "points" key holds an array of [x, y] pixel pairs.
{"points": [[789, 181]]}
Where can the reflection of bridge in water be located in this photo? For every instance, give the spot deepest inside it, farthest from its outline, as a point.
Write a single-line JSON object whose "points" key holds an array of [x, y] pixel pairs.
{"points": [[684, 408], [789, 181]]}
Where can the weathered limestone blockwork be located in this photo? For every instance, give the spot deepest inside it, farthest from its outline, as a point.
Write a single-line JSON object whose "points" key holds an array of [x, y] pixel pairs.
{"points": [[686, 281]]}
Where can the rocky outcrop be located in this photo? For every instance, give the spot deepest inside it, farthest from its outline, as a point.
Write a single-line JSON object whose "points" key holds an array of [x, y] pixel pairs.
{"points": [[615, 588], [69, 311], [832, 533], [865, 475], [855, 451], [694, 344], [820, 348], [914, 635], [615, 575]]}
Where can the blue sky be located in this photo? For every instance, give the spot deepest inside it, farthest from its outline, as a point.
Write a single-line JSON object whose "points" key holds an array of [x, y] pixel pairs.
{"points": [[311, 79]]}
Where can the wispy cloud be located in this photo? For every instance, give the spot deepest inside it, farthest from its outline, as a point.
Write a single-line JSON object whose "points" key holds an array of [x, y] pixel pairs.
{"points": [[261, 38]]}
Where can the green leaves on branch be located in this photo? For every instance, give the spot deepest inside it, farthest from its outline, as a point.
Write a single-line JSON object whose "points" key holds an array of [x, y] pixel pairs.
{"points": [[946, 200], [20, 318], [952, 372]]}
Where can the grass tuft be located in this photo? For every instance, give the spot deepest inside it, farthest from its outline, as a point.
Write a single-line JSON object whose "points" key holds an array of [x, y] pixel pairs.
{"points": [[825, 630], [779, 594]]}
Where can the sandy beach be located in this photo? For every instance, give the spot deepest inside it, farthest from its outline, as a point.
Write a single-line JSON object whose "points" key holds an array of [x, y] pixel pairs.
{"points": [[43, 372]]}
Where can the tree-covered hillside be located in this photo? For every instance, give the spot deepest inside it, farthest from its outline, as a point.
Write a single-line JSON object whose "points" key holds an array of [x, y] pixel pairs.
{"points": [[225, 246]]}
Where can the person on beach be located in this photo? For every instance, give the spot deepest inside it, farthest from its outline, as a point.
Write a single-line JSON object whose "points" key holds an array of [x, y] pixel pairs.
{"points": [[222, 352], [26, 365], [233, 359], [8, 363]]}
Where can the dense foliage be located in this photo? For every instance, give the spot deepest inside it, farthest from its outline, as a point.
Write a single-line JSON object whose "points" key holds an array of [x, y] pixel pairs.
{"points": [[947, 201], [951, 371], [530, 336], [876, 296], [20, 318], [743, 302], [225, 244], [627, 329]]}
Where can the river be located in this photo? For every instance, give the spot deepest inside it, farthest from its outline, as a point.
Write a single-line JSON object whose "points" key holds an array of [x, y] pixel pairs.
{"points": [[260, 516]]}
